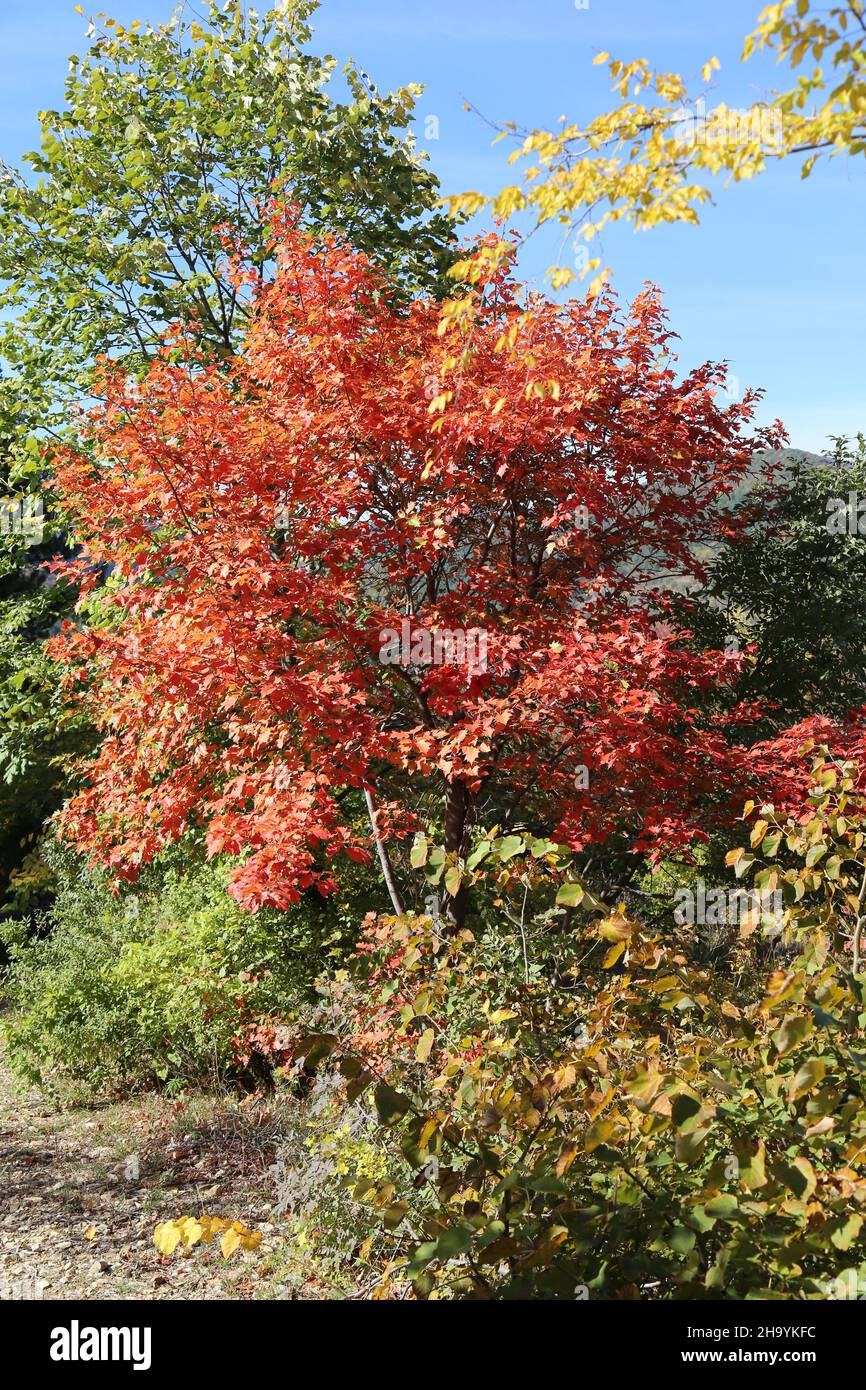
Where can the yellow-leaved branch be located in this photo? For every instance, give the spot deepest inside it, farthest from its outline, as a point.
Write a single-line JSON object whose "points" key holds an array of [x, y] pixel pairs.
{"points": [[650, 159]]}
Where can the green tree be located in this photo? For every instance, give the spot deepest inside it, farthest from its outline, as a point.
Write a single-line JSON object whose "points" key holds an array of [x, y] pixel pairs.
{"points": [[39, 731], [792, 584], [170, 136]]}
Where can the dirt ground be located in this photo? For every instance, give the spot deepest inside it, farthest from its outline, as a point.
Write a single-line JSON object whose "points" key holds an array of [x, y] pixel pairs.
{"points": [[82, 1188]]}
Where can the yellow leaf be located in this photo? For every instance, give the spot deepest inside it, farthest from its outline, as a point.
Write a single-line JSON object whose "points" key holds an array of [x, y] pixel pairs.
{"points": [[425, 1043], [470, 203], [511, 199], [599, 1133], [166, 1237], [810, 1075], [192, 1229], [567, 1155], [192, 1232], [229, 1242], [615, 928], [613, 955]]}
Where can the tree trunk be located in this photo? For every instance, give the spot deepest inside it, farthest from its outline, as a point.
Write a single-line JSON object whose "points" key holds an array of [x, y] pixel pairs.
{"points": [[384, 857]]}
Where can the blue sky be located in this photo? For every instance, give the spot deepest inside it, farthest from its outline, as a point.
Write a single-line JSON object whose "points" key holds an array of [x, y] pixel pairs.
{"points": [[772, 280]]}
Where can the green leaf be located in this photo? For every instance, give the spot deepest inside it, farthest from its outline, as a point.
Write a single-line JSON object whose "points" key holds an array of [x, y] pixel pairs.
{"points": [[509, 846], [570, 895], [455, 1241], [798, 1175], [807, 1078], [690, 1146], [453, 880], [394, 1214], [723, 1206], [792, 1031], [847, 1231], [418, 853], [390, 1104], [683, 1108], [537, 848], [681, 1239], [480, 852]]}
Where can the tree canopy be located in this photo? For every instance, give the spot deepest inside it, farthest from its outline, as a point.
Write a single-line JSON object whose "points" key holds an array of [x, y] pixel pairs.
{"points": [[170, 135], [291, 534]]}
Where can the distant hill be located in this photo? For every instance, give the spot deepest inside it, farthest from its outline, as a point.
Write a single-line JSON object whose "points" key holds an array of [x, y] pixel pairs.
{"points": [[789, 460]]}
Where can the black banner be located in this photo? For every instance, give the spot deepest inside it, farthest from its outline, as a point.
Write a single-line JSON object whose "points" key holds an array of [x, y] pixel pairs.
{"points": [[84, 1341]]}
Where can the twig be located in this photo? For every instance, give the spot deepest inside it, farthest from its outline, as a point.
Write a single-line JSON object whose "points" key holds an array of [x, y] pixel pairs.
{"points": [[384, 860]]}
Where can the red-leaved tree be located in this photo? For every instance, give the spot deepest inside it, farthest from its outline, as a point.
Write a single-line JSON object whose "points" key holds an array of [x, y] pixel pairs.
{"points": [[418, 556]]}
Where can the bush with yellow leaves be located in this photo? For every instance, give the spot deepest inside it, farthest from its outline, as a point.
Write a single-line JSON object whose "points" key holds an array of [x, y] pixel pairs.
{"points": [[616, 1118]]}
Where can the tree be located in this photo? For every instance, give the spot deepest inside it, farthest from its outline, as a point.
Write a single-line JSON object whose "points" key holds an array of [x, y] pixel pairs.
{"points": [[420, 553], [39, 733], [647, 161], [170, 134], [790, 584]]}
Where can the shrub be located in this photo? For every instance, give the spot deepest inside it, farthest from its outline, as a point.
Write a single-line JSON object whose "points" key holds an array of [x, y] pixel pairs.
{"points": [[154, 986], [613, 1119], [327, 1150]]}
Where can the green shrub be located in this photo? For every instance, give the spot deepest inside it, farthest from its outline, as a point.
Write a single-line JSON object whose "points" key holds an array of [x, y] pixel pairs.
{"points": [[153, 986]]}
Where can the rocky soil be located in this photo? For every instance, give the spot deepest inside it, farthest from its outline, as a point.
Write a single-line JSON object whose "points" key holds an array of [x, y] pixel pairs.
{"points": [[82, 1188]]}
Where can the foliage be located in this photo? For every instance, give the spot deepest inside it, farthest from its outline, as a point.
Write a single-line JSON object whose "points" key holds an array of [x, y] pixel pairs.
{"points": [[791, 585], [301, 485], [169, 135], [39, 731], [648, 161], [327, 1148], [188, 1231], [616, 1120], [154, 987], [829, 889], [235, 665]]}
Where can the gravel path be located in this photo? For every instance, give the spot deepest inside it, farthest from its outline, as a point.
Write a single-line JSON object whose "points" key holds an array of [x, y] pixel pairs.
{"points": [[81, 1189]]}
